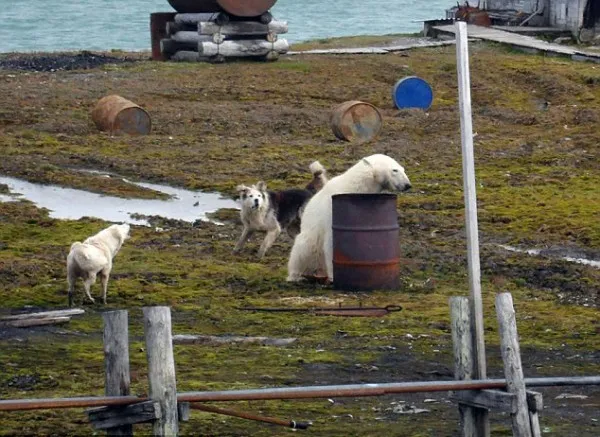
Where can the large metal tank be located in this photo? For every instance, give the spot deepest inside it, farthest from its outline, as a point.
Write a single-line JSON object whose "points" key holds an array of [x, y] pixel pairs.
{"points": [[366, 248], [240, 8]]}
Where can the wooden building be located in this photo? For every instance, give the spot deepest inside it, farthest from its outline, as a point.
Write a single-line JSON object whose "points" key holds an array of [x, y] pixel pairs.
{"points": [[581, 17]]}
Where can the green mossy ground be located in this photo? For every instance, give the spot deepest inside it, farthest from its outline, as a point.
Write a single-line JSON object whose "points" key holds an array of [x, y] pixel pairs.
{"points": [[216, 126]]}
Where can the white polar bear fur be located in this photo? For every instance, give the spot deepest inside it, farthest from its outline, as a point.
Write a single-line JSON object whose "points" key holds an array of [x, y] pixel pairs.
{"points": [[312, 253]]}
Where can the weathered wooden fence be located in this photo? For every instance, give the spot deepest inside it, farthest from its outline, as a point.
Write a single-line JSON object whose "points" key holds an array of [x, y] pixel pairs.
{"points": [[118, 411]]}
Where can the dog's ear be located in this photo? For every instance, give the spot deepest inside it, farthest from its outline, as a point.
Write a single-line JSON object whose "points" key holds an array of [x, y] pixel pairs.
{"points": [[242, 189], [366, 161], [261, 186]]}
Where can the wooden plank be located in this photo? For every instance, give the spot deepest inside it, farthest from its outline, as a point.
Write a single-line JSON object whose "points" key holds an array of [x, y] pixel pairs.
{"points": [[373, 50], [227, 339], [116, 362], [488, 399], [470, 196], [35, 322], [183, 411], [535, 401], [121, 418], [472, 420], [45, 314], [520, 41], [511, 357], [161, 368], [536, 404]]}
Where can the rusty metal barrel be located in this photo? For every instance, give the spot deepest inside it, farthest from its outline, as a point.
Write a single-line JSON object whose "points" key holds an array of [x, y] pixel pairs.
{"points": [[239, 8], [366, 248], [118, 115], [355, 121]]}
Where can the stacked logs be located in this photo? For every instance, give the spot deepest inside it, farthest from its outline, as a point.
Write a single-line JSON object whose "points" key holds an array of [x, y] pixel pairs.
{"points": [[216, 32]]}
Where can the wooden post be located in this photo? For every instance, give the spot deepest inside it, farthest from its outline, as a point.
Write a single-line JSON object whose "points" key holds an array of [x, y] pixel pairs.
{"points": [[116, 361], [464, 363], [161, 368], [511, 357], [468, 164]]}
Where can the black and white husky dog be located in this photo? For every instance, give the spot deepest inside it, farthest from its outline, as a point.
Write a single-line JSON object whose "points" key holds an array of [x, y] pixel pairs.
{"points": [[274, 211]]}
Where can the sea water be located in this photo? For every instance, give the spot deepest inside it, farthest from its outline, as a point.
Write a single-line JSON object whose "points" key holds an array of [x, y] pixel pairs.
{"points": [[53, 25]]}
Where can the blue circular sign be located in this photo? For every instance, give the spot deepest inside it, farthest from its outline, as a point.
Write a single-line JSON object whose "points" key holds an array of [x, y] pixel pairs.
{"points": [[412, 92]]}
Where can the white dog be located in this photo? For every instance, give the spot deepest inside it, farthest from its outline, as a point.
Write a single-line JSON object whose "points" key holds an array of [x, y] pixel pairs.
{"points": [[95, 257], [274, 211], [312, 252]]}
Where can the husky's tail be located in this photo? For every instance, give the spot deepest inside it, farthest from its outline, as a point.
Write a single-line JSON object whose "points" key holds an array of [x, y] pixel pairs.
{"points": [[319, 177]]}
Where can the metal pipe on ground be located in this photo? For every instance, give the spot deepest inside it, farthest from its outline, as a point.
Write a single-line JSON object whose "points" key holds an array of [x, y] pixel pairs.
{"points": [[242, 414], [326, 391]]}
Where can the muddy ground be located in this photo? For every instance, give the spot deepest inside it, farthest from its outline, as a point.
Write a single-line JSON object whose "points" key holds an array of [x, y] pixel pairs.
{"points": [[215, 126]]}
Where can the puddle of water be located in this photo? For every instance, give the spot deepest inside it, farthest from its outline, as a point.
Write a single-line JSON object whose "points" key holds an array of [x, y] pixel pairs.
{"points": [[534, 252], [72, 204]]}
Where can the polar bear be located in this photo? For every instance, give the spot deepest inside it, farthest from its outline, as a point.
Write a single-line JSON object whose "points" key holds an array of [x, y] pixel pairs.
{"points": [[312, 252]]}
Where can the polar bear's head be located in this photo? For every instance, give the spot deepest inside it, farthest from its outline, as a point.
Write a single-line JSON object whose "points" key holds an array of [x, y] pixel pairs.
{"points": [[387, 173]]}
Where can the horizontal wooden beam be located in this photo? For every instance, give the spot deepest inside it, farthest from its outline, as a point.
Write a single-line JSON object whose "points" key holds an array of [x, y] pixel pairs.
{"points": [[497, 400], [111, 417], [488, 399]]}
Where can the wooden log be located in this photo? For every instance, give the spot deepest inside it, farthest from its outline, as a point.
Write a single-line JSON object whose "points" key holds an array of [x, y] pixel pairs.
{"points": [[113, 418], [116, 362], [189, 56], [228, 339], [199, 17], [473, 420], [242, 28], [169, 47], [271, 56], [173, 27], [35, 322], [265, 17], [161, 368], [242, 48], [190, 37], [45, 314], [511, 357]]}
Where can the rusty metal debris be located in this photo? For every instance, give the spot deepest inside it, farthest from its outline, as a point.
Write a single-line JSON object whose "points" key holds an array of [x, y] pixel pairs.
{"points": [[242, 414], [359, 311]]}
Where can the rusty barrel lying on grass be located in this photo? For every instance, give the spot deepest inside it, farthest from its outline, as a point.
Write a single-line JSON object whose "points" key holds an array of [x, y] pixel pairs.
{"points": [[355, 121], [118, 115], [240, 8], [366, 246]]}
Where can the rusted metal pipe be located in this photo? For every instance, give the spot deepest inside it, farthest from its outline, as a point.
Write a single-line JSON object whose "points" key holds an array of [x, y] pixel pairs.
{"points": [[360, 390], [226, 411], [81, 402], [326, 391], [359, 311]]}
